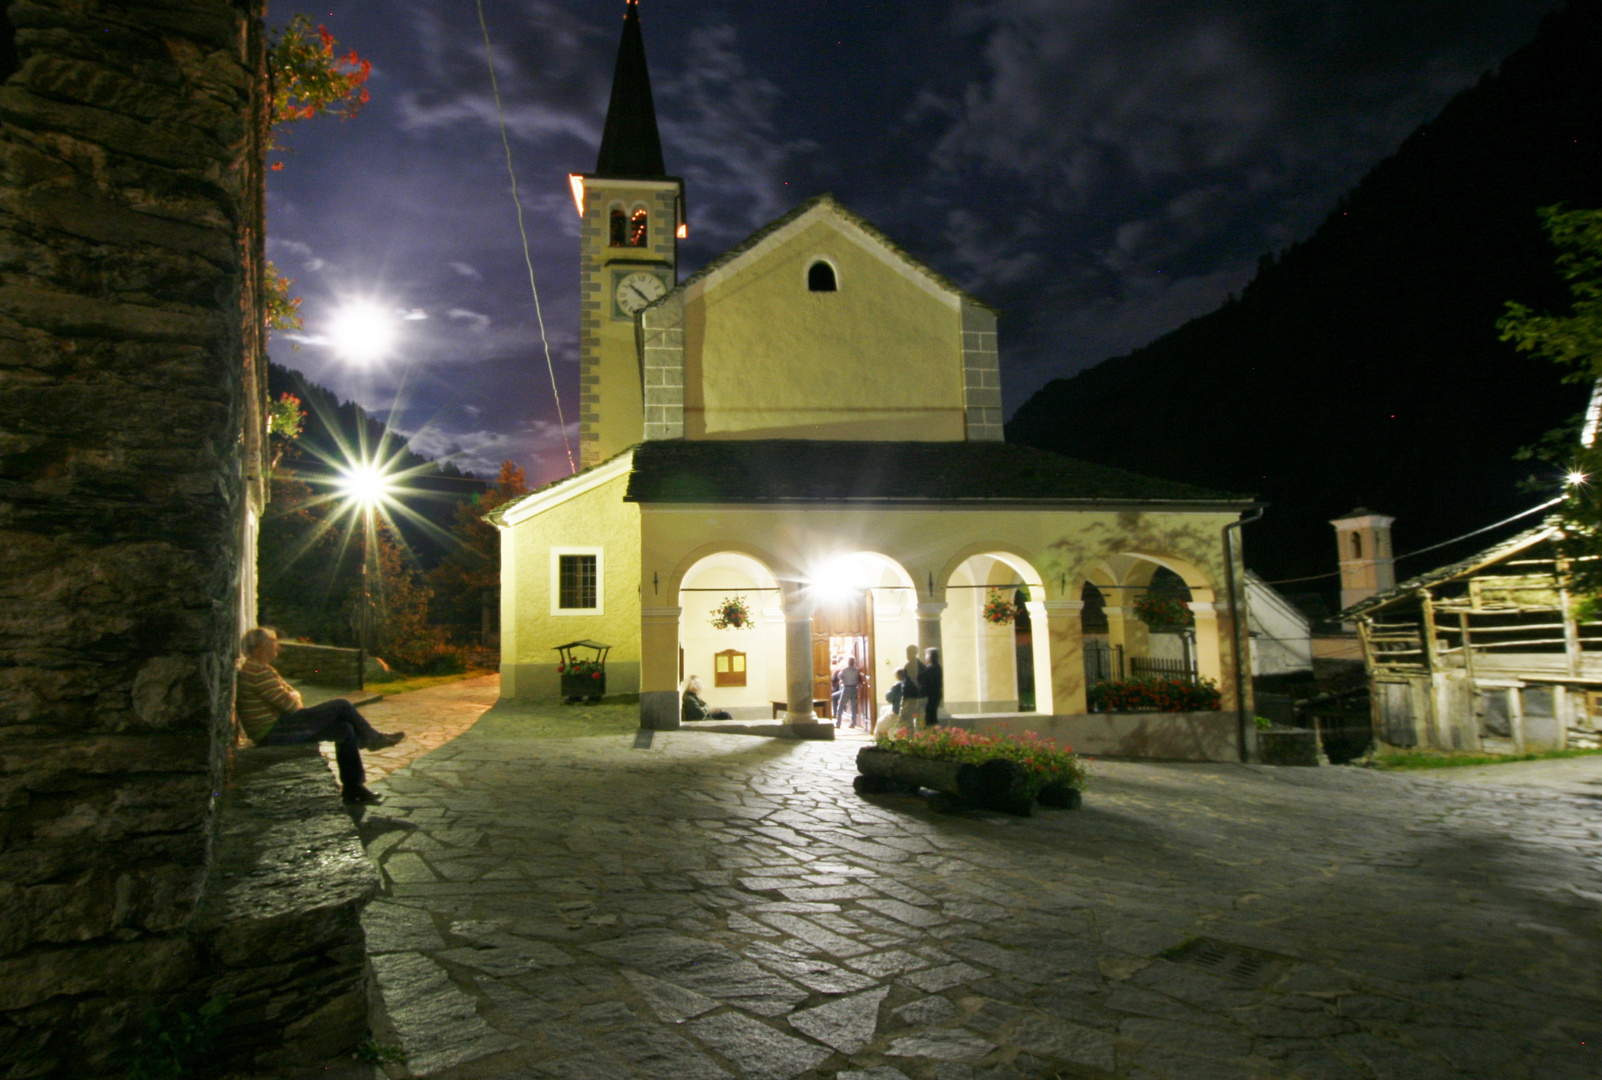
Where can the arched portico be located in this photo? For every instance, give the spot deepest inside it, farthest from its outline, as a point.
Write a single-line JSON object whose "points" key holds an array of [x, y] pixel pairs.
{"points": [[1126, 576], [983, 666]]}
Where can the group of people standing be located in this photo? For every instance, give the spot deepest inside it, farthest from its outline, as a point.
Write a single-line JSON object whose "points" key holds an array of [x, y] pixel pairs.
{"points": [[917, 693]]}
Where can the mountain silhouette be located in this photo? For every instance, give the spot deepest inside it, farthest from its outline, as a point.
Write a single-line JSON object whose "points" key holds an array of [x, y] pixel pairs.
{"points": [[1362, 366]]}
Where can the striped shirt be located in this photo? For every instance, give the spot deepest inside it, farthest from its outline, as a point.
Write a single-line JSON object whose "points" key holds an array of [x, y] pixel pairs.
{"points": [[261, 697]]}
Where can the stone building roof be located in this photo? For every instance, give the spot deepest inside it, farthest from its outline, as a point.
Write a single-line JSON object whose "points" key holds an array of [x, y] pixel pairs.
{"points": [[803, 470], [630, 144]]}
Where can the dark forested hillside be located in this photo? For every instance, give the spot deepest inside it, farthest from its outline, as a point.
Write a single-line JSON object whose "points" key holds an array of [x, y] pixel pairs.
{"points": [[432, 488], [1362, 367]]}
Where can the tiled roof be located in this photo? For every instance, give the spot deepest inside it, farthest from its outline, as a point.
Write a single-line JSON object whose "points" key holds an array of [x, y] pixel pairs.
{"points": [[802, 470]]}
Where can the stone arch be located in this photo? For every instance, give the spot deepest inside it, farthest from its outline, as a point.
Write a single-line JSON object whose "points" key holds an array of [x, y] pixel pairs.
{"points": [[1133, 570], [1106, 565], [741, 668], [776, 569], [1024, 562]]}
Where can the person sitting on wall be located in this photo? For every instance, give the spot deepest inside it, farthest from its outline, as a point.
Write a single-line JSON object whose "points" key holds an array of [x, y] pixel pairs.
{"points": [[695, 708], [273, 714]]}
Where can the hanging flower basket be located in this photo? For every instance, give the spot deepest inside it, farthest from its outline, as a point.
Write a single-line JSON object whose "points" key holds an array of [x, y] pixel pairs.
{"points": [[731, 613], [1163, 613], [999, 610]]}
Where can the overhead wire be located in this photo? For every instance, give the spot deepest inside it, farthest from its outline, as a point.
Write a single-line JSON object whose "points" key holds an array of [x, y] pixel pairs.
{"points": [[1433, 547], [528, 260]]}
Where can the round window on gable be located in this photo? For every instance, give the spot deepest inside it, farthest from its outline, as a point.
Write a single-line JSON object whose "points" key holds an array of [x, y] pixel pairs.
{"points": [[820, 277]]}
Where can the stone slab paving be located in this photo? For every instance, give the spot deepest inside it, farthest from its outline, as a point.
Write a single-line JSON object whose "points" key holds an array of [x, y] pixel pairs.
{"points": [[431, 718], [559, 904]]}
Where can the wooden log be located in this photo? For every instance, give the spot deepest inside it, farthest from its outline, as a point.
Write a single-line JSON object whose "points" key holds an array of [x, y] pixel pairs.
{"points": [[952, 777], [997, 784]]}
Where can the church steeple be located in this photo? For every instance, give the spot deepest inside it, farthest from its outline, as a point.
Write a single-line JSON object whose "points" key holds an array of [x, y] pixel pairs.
{"points": [[630, 145]]}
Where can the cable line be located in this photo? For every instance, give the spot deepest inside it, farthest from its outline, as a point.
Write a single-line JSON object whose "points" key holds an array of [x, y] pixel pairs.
{"points": [[489, 58], [1432, 547]]}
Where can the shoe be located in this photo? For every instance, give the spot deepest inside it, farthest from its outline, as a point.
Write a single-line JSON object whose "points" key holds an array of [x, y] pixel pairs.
{"points": [[384, 740], [363, 795]]}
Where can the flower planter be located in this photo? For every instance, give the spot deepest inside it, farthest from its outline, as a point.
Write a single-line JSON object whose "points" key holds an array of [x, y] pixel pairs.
{"points": [[576, 687], [997, 784]]}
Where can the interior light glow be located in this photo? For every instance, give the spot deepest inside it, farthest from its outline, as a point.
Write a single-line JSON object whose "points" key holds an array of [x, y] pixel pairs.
{"points": [[576, 182], [839, 578], [362, 331]]}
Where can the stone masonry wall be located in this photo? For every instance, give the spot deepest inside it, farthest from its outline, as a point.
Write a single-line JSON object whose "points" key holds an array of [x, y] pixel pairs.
{"points": [[130, 211]]}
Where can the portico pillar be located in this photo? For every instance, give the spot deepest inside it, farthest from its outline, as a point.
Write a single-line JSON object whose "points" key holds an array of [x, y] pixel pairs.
{"points": [[929, 628], [798, 665], [1067, 643], [929, 636], [1209, 653], [1125, 628], [1040, 654], [659, 668]]}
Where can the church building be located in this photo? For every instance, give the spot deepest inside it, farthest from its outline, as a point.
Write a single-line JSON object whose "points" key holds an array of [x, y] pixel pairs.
{"points": [[806, 435]]}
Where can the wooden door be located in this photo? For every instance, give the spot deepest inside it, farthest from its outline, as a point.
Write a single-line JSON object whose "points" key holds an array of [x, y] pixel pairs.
{"points": [[821, 673]]}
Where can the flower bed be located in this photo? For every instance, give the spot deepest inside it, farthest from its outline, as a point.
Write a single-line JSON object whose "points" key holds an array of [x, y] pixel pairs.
{"points": [[1005, 772], [1154, 695]]}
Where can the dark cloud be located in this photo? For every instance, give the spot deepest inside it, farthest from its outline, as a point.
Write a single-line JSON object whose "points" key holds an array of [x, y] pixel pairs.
{"points": [[1100, 169]]}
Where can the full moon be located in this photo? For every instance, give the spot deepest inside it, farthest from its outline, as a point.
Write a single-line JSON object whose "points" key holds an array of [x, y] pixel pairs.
{"points": [[362, 331]]}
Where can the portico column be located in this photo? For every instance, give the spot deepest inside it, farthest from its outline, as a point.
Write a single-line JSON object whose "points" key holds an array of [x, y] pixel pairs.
{"points": [[929, 636], [798, 664], [929, 628], [1040, 654], [1209, 654], [659, 668], [1067, 642]]}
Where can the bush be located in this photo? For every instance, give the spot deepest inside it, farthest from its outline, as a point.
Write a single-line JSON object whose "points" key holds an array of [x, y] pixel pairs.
{"points": [[1044, 762], [1154, 695]]}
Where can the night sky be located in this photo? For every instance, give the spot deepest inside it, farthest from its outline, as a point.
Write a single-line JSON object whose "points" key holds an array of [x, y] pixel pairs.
{"points": [[1102, 170]]}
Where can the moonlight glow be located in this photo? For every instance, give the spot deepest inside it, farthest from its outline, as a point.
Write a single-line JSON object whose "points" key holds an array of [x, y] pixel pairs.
{"points": [[362, 331]]}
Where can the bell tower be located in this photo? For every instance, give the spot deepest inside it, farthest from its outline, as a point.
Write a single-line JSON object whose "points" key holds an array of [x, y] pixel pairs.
{"points": [[1368, 566], [632, 219]]}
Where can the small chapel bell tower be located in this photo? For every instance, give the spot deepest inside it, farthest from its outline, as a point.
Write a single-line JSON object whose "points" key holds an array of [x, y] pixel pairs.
{"points": [[1368, 565], [633, 218]]}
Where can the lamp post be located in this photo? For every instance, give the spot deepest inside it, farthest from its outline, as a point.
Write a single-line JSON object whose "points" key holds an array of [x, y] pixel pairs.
{"points": [[365, 486]]}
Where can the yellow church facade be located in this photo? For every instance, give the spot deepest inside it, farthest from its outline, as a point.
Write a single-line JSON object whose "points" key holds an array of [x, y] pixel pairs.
{"points": [[809, 427]]}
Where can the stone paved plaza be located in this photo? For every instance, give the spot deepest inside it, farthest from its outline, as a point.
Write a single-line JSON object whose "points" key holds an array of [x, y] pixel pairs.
{"points": [[562, 903]]}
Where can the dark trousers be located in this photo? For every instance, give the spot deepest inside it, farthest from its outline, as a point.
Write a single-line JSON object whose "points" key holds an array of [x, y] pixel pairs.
{"points": [[933, 716], [335, 721]]}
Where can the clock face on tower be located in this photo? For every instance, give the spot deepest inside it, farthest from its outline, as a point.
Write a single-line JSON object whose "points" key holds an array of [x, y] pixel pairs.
{"points": [[635, 290]]}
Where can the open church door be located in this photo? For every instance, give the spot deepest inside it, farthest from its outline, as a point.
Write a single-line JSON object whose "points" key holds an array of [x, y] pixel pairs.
{"points": [[842, 629]]}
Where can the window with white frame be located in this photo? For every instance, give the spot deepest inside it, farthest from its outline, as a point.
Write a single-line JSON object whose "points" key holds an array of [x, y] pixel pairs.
{"points": [[577, 582]]}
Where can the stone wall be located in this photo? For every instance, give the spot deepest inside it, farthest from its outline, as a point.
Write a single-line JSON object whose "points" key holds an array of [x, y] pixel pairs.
{"points": [[321, 665], [131, 139]]}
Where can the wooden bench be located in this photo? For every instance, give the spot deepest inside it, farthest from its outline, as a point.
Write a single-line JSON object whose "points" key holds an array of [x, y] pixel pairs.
{"points": [[819, 708]]}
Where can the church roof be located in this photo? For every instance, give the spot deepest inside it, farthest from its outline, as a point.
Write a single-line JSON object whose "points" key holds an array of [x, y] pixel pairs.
{"points": [[862, 223], [804, 470], [630, 145]]}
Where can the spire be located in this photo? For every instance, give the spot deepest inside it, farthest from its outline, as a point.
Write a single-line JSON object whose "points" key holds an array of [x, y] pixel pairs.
{"points": [[630, 146]]}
